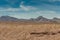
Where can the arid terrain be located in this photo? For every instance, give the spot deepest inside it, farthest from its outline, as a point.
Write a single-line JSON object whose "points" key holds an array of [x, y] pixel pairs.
{"points": [[17, 31]]}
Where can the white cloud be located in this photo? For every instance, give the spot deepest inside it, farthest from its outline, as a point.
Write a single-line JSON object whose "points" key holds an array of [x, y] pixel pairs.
{"points": [[26, 8], [53, 0], [45, 12], [22, 8], [10, 9]]}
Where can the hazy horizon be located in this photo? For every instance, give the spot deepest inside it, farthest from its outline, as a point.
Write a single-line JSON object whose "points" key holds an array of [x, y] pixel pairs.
{"points": [[26, 9]]}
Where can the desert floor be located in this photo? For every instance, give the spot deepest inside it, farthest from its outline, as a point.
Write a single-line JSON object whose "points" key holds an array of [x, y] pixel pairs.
{"points": [[29, 32]]}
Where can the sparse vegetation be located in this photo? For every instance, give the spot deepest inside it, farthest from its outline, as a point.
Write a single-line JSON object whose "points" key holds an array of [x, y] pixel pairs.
{"points": [[17, 31]]}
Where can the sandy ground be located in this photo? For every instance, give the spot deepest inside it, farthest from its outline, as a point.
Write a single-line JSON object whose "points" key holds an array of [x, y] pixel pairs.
{"points": [[29, 32]]}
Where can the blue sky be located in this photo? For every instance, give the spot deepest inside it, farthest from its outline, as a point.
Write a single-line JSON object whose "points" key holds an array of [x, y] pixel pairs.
{"points": [[30, 8]]}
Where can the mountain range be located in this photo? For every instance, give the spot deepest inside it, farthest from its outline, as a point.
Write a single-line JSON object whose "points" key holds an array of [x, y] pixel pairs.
{"points": [[39, 19]]}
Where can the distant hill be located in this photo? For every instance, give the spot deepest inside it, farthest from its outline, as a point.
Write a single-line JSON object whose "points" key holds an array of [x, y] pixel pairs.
{"points": [[39, 19], [8, 18], [56, 19]]}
